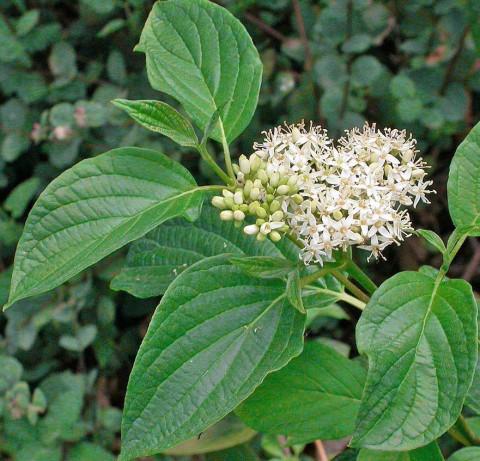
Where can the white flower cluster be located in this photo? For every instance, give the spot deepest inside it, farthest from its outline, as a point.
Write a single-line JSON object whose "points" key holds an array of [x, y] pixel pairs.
{"points": [[345, 193]]}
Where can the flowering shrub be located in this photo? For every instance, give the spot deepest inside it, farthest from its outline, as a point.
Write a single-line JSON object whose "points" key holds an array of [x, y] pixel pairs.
{"points": [[239, 281]]}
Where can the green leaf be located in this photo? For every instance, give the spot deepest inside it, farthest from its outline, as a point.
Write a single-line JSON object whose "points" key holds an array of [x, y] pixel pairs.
{"points": [[294, 291], [18, 200], [241, 453], [472, 400], [430, 452], [155, 260], [228, 432], [161, 118], [264, 266], [296, 400], [85, 450], [83, 338], [433, 238], [464, 182], [11, 372], [201, 55], [420, 336], [93, 209], [12, 49], [63, 63], [466, 454], [214, 337], [27, 22]]}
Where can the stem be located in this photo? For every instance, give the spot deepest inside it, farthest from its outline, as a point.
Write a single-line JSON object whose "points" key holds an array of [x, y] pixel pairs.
{"points": [[213, 187], [226, 151], [340, 295], [350, 286], [348, 35], [283, 441], [321, 453], [465, 428], [208, 158], [363, 279]]}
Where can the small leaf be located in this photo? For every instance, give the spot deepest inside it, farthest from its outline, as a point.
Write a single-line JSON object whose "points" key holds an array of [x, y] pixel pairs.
{"points": [[84, 451], [215, 336], [430, 452], [466, 454], [463, 185], [200, 54], [433, 238], [161, 118], [27, 22], [18, 200], [11, 372], [315, 396], [228, 432], [264, 266], [420, 336], [93, 209], [294, 291]]}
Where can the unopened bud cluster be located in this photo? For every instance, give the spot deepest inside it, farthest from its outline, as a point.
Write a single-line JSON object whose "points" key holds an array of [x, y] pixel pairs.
{"points": [[261, 189], [328, 195]]}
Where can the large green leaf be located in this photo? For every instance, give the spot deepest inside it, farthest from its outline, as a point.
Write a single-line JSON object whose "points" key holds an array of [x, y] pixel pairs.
{"points": [[95, 208], [296, 400], [429, 452], [155, 260], [464, 182], [214, 337], [420, 336], [161, 118], [201, 55]]}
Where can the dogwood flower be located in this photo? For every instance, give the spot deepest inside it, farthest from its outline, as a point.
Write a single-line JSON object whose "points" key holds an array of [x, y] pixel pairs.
{"points": [[328, 195]]}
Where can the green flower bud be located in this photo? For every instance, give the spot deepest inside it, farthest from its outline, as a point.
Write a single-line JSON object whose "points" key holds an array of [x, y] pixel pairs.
{"points": [[270, 198], [337, 215], [262, 176], [239, 215], [292, 180], [259, 222], [238, 197], [247, 188], [255, 163], [261, 237], [274, 178], [238, 224], [236, 168], [261, 213], [226, 215], [298, 199], [252, 229], [283, 190], [244, 164], [252, 208], [275, 236], [277, 216], [229, 202], [219, 202], [274, 206], [243, 207], [257, 183], [227, 193], [255, 193]]}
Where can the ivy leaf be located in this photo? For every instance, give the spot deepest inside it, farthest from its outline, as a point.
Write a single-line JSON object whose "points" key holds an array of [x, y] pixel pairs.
{"points": [[161, 118], [156, 259], [292, 400], [430, 452], [201, 55], [93, 209], [264, 266], [420, 335], [464, 182], [214, 337]]}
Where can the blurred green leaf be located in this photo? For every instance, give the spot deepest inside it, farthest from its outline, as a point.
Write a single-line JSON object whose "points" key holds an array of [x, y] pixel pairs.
{"points": [[18, 200]]}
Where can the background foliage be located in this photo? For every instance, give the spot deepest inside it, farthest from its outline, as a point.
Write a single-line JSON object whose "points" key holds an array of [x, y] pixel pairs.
{"points": [[65, 356]]}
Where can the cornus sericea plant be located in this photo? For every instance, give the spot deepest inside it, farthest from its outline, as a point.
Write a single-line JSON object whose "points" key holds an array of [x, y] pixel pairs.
{"points": [[327, 196], [237, 278]]}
